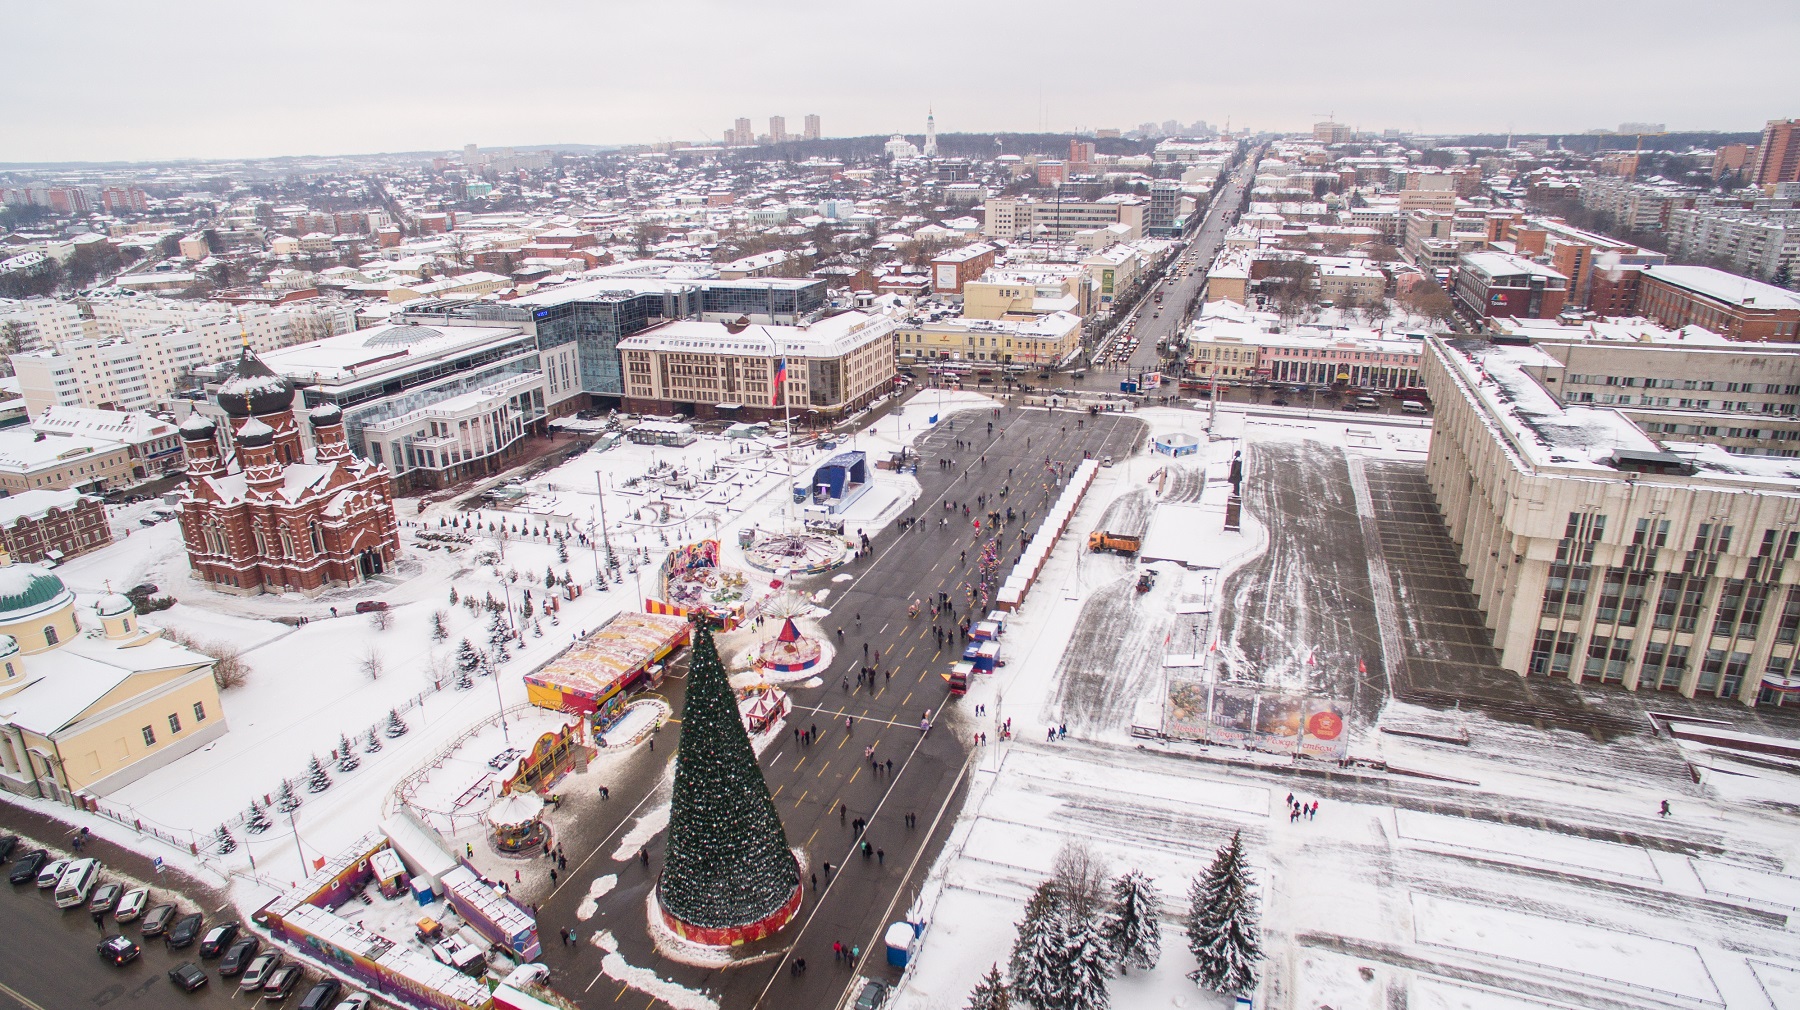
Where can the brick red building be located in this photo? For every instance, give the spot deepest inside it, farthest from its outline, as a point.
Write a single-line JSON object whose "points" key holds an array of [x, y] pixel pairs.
{"points": [[950, 271], [1736, 308], [264, 518], [44, 525]]}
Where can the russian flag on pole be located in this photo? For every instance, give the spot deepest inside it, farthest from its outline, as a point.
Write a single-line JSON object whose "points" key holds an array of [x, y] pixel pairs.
{"points": [[780, 380]]}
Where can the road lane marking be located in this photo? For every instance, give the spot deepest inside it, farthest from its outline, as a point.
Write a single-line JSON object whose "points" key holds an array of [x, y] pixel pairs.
{"points": [[16, 994]]}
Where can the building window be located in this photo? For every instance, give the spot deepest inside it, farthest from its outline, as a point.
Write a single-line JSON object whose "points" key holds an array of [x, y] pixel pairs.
{"points": [[149, 736], [174, 722], [50, 634], [199, 711]]}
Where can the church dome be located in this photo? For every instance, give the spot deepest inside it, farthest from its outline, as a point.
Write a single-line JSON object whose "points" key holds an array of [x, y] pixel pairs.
{"points": [[253, 388], [28, 589], [114, 605], [326, 414], [197, 426], [254, 435]]}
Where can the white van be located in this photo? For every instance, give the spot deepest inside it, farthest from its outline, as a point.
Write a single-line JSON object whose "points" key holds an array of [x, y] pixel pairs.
{"points": [[77, 883], [1412, 406]]}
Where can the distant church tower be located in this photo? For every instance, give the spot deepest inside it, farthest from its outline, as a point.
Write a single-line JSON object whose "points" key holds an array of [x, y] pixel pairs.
{"points": [[930, 134]]}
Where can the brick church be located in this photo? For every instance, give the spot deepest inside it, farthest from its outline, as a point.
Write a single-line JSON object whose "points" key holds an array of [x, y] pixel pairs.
{"points": [[264, 517]]}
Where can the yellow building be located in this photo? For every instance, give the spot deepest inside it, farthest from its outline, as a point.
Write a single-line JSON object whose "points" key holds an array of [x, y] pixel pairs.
{"points": [[1041, 341], [89, 706], [1022, 294]]}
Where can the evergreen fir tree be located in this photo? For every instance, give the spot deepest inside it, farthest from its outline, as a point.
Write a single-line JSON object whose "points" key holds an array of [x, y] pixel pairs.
{"points": [[990, 993], [463, 679], [497, 630], [1088, 964], [438, 631], [562, 551], [395, 727], [374, 744], [316, 779], [257, 820], [1039, 973], [453, 596], [347, 760], [467, 659], [286, 801], [223, 843], [728, 861], [550, 576], [1222, 923], [500, 655], [1132, 931]]}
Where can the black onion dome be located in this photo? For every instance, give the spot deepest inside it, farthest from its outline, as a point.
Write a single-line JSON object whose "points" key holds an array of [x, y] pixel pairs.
{"points": [[325, 415], [254, 434], [253, 388]]}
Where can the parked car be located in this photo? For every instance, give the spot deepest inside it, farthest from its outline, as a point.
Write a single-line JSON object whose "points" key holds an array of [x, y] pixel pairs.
{"points": [[258, 971], [1278, 402], [132, 904], [188, 976], [51, 873], [185, 931], [156, 921], [281, 983], [238, 956], [105, 899], [355, 1001], [142, 589], [322, 996], [370, 606], [871, 997], [218, 938], [118, 949], [7, 845], [26, 869]]}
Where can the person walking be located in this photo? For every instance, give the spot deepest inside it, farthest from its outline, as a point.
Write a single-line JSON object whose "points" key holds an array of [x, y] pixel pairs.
{"points": [[880, 857], [1665, 811]]}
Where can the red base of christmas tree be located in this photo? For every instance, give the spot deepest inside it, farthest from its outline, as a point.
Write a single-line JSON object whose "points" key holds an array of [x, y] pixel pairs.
{"points": [[731, 936]]}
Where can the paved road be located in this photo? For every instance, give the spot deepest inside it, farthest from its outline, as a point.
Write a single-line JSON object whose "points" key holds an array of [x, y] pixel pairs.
{"points": [[810, 783]]}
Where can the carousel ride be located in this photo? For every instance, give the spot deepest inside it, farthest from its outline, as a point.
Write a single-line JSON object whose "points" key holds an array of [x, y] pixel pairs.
{"points": [[516, 822], [801, 551]]}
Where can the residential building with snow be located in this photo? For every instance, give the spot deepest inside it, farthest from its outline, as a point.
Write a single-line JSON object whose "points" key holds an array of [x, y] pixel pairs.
{"points": [[1737, 308], [1232, 343], [154, 444], [1603, 550], [1015, 218], [32, 460], [1042, 340]]}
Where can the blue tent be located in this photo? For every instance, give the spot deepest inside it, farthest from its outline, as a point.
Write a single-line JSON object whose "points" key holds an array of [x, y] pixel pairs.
{"points": [[845, 470]]}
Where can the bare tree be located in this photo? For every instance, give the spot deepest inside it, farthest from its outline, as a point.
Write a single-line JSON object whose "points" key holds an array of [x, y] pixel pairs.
{"points": [[1081, 877], [381, 619], [371, 663], [229, 668]]}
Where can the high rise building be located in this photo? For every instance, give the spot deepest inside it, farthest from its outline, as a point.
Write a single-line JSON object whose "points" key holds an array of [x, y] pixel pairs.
{"points": [[471, 156], [1778, 157], [745, 135], [930, 134], [777, 130], [812, 127]]}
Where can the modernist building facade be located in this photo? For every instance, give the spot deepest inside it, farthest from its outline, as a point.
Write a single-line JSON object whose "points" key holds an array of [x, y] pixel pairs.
{"points": [[269, 517], [1601, 554]]}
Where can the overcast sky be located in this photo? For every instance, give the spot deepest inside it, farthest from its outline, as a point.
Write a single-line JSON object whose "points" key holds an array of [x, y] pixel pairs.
{"points": [[137, 81]]}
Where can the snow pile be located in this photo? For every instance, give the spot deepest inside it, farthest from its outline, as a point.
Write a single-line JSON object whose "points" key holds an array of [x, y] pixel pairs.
{"points": [[646, 981], [596, 890]]}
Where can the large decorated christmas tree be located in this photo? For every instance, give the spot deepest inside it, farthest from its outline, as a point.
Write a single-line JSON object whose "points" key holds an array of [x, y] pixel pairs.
{"points": [[728, 876]]}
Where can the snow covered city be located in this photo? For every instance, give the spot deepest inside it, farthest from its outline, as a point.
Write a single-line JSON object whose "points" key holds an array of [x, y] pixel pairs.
{"points": [[1278, 508]]}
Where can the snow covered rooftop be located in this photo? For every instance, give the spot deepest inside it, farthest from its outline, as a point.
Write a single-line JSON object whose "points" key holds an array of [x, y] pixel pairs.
{"points": [[1729, 288], [381, 350], [830, 337]]}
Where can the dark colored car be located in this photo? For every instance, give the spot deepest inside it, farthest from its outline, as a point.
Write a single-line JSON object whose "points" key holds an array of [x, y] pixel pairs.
{"points": [[25, 871], [322, 996], [218, 938], [185, 931], [281, 982], [370, 606], [105, 899], [237, 956], [187, 975], [142, 589], [118, 949], [1278, 402], [872, 996], [7, 845], [156, 921]]}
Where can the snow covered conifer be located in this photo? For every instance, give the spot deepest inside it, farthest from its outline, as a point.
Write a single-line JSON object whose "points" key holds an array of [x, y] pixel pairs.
{"points": [[990, 993], [550, 576], [562, 551], [467, 659], [395, 726], [463, 680], [1088, 964], [223, 843], [285, 800], [257, 820], [1222, 923], [316, 779], [1132, 930], [347, 760], [1038, 968], [453, 596], [374, 744], [439, 632]]}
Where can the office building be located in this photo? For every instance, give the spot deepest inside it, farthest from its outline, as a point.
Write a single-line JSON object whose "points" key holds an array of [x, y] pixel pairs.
{"points": [[154, 446], [1332, 133], [34, 460], [1778, 156], [1163, 217], [1737, 308], [1599, 553], [1014, 219], [951, 270], [1496, 284], [834, 366], [1042, 340]]}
